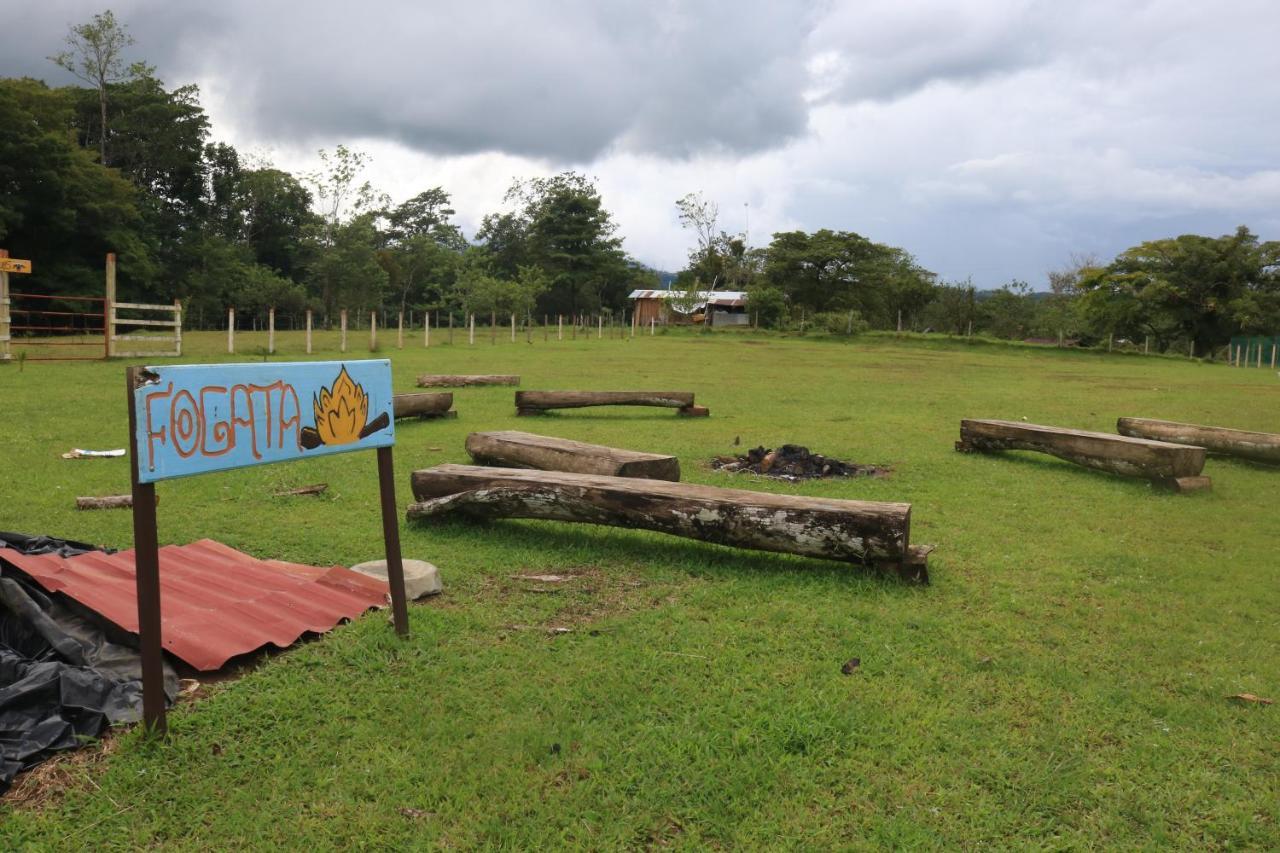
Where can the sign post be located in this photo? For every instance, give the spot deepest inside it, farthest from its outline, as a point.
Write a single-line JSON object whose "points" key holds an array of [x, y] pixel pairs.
{"points": [[7, 265], [186, 420]]}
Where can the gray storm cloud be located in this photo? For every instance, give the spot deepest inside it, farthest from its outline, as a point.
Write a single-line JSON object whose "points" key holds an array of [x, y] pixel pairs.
{"points": [[994, 138], [563, 82]]}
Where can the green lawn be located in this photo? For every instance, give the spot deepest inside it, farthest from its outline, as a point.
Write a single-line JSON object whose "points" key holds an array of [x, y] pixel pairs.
{"points": [[1062, 683]]}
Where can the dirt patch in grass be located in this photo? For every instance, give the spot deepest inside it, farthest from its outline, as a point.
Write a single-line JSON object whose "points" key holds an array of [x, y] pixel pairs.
{"points": [[48, 782], [599, 594], [578, 597]]}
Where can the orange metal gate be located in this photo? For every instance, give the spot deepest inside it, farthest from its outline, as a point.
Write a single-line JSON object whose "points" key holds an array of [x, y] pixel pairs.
{"points": [[40, 331]]}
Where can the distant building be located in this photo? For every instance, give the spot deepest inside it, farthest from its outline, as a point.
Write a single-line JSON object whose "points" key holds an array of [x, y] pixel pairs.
{"points": [[723, 307]]}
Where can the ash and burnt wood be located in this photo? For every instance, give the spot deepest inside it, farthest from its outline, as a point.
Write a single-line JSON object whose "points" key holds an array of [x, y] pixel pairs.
{"points": [[1258, 446], [546, 453], [793, 462], [450, 380], [1117, 454], [537, 402], [428, 404], [875, 533]]}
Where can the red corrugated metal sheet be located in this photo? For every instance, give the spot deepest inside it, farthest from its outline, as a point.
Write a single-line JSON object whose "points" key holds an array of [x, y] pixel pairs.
{"points": [[215, 601]]}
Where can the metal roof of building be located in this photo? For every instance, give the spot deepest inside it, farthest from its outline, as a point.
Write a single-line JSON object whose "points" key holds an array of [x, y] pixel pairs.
{"points": [[215, 601], [722, 298]]}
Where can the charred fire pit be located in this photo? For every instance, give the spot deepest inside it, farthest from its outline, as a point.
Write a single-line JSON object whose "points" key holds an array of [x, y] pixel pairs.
{"points": [[794, 462]]}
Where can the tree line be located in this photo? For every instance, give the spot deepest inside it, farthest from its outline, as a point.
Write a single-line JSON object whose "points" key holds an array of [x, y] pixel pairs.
{"points": [[125, 164], [1189, 294]]}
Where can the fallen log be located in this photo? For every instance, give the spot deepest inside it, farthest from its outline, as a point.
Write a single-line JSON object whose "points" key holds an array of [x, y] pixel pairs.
{"points": [[526, 450], [1174, 465], [1258, 446], [449, 380], [105, 502], [538, 402], [424, 405], [867, 532]]}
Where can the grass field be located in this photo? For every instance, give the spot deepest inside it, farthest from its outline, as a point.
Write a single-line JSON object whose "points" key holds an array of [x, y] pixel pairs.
{"points": [[1062, 683]]}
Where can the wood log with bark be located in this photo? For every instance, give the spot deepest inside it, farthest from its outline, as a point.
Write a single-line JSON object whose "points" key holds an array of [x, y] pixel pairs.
{"points": [[430, 404], [539, 402], [105, 502], [1174, 465], [1258, 446], [868, 532], [526, 450], [313, 489], [449, 380]]}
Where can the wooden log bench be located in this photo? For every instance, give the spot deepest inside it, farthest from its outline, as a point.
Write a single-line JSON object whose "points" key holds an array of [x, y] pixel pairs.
{"points": [[540, 402], [1176, 466], [526, 450], [867, 532], [449, 380], [1258, 446], [431, 404]]}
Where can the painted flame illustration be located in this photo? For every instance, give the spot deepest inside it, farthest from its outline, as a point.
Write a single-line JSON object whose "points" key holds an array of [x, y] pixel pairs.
{"points": [[341, 411]]}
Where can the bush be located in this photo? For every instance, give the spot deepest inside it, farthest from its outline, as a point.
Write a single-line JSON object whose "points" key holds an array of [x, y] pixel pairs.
{"points": [[767, 305], [840, 322]]}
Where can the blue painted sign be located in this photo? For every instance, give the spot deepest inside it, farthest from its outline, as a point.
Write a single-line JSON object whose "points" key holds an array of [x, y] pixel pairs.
{"points": [[196, 418]]}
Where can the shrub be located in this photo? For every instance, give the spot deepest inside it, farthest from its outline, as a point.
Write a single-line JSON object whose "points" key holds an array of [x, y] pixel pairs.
{"points": [[768, 305], [840, 322]]}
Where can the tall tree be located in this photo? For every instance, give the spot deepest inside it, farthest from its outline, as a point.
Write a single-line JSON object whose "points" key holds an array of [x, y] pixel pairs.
{"points": [[428, 214], [346, 270], [423, 251], [58, 205], [561, 226], [1188, 288], [842, 271], [337, 190], [275, 219], [699, 214], [95, 54]]}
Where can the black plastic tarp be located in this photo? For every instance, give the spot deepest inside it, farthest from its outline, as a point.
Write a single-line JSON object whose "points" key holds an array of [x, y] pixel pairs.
{"points": [[62, 680]]}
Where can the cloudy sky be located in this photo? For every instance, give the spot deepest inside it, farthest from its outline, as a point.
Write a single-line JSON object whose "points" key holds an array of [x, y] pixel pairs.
{"points": [[992, 139]]}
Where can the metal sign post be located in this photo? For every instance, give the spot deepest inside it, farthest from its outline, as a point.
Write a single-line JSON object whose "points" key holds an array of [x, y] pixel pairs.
{"points": [[193, 419]]}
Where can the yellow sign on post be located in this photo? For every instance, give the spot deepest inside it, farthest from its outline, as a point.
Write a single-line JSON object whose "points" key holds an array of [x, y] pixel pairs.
{"points": [[14, 265]]}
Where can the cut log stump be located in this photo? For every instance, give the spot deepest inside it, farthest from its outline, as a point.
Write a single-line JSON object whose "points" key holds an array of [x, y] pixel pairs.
{"points": [[539, 402], [526, 450], [449, 380], [868, 532], [1176, 466], [429, 404], [1258, 446]]}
